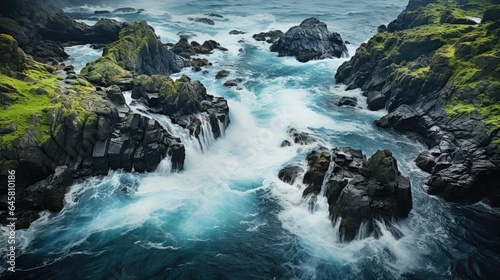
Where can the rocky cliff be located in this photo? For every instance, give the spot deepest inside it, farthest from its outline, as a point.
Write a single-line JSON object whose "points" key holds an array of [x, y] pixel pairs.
{"points": [[437, 72], [79, 130], [139, 51], [56, 126]]}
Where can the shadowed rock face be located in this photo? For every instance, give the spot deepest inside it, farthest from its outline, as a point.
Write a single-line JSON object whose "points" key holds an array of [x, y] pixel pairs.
{"points": [[438, 76], [311, 40], [43, 30], [358, 191]]}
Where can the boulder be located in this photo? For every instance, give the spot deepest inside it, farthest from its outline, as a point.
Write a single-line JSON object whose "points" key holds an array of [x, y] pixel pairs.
{"points": [[347, 101], [124, 10], [203, 20], [300, 138], [233, 82], [311, 40], [269, 37], [215, 15], [222, 74], [289, 173], [101, 12], [186, 49], [236, 32]]}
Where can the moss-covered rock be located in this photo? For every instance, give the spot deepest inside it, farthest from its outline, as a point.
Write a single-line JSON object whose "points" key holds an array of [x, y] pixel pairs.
{"points": [[439, 76], [138, 50], [45, 125]]}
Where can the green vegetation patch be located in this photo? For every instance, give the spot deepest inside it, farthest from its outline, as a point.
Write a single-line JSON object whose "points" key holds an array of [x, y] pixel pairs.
{"points": [[31, 103]]}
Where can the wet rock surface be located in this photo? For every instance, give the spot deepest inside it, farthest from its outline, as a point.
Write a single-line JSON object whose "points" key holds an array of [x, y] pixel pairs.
{"points": [[359, 192], [311, 40]]}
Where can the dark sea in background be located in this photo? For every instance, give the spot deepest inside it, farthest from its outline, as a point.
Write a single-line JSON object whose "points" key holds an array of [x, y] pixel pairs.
{"points": [[227, 216]]}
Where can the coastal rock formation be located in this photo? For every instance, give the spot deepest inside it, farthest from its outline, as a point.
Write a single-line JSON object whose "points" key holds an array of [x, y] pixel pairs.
{"points": [[297, 137], [311, 40], [358, 191], [186, 49], [182, 100], [46, 125], [43, 30], [269, 37], [138, 61], [439, 77], [138, 50]]}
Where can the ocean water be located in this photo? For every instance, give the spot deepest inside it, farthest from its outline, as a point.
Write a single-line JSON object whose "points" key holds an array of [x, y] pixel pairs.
{"points": [[227, 215]]}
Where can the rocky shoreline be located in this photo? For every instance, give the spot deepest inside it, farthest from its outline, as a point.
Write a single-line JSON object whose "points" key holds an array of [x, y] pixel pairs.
{"points": [[79, 125], [434, 71]]}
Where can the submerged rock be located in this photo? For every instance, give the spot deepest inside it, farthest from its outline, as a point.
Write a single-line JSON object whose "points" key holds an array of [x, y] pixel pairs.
{"points": [[311, 40], [347, 101], [269, 37], [186, 49], [222, 74], [203, 20], [300, 138]]}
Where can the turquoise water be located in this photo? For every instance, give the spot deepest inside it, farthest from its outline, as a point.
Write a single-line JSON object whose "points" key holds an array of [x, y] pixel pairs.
{"points": [[227, 216]]}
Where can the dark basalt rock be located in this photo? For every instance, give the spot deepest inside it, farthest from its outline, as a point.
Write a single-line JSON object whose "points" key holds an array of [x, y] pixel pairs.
{"points": [[269, 37], [186, 49], [347, 101], [381, 28], [101, 12], [215, 15], [42, 31], [222, 74], [233, 82], [358, 191], [48, 193], [203, 20], [289, 174], [311, 40], [376, 100], [236, 32], [300, 138], [114, 93], [492, 14], [387, 70], [184, 101], [126, 10]]}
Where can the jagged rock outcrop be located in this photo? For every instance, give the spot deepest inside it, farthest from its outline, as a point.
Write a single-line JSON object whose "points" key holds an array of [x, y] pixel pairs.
{"points": [[42, 30], [183, 101], [347, 101], [186, 49], [269, 37], [439, 77], [79, 126], [358, 191], [297, 137], [311, 40], [138, 50]]}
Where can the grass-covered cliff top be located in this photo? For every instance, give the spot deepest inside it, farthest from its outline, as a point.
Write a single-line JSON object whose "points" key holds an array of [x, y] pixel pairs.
{"points": [[31, 96], [440, 38]]}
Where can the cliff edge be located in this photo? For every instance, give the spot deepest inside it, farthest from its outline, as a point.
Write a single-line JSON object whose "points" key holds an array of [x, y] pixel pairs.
{"points": [[436, 69]]}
